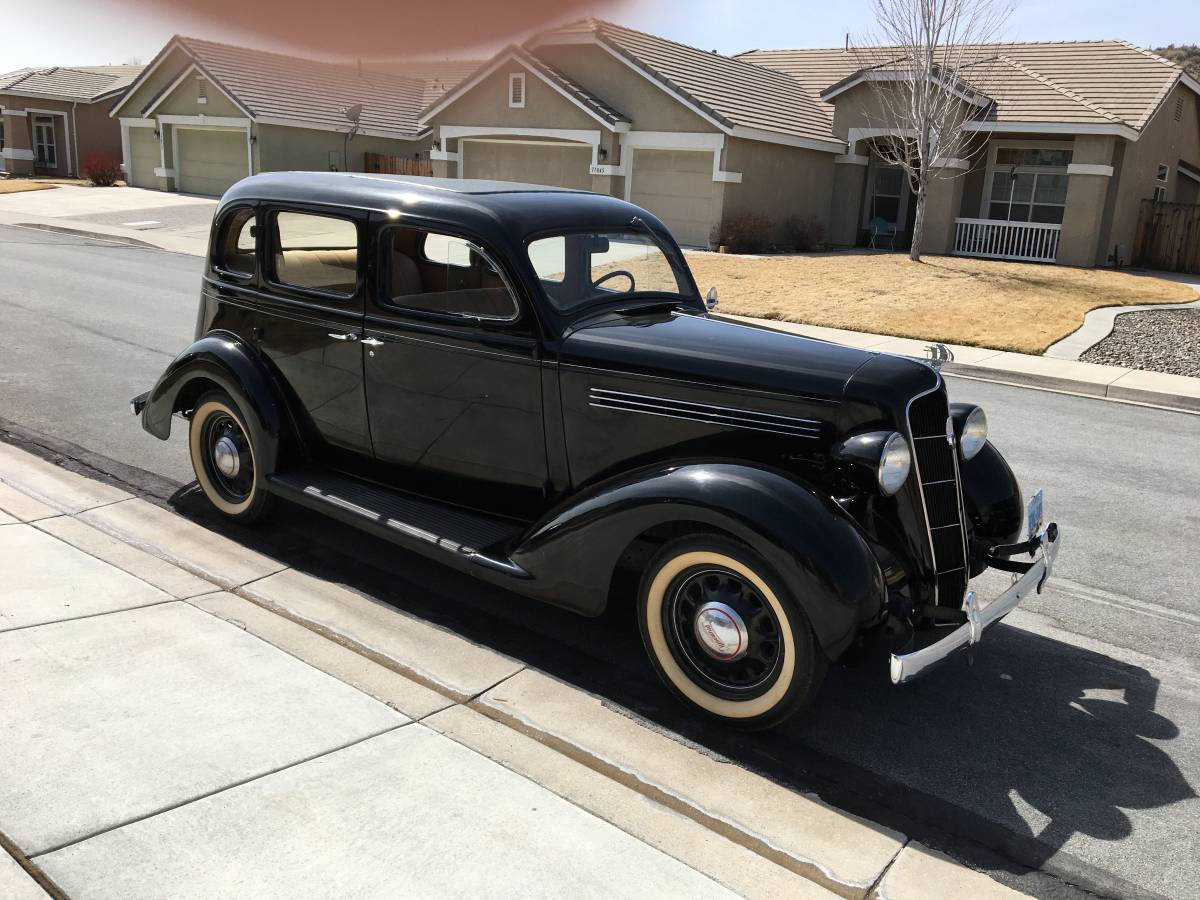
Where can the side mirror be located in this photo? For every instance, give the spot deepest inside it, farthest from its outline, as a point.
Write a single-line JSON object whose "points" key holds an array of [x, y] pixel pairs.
{"points": [[710, 299]]}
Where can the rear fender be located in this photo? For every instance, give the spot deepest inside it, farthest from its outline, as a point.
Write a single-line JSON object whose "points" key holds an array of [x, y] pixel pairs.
{"points": [[232, 365], [813, 546]]}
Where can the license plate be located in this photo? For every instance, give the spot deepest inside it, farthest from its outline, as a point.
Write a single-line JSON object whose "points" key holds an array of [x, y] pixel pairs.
{"points": [[1033, 515]]}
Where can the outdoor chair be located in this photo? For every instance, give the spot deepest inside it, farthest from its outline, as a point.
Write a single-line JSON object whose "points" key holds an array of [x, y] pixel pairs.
{"points": [[881, 228]]}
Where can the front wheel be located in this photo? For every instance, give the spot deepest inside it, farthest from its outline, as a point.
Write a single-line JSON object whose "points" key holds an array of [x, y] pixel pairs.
{"points": [[725, 636], [224, 460]]}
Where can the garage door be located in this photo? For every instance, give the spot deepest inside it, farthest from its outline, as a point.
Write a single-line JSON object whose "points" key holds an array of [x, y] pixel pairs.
{"points": [[559, 165], [210, 161], [143, 157], [677, 186]]}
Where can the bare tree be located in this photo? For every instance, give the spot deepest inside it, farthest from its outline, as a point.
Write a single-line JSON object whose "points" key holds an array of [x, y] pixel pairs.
{"points": [[928, 75]]}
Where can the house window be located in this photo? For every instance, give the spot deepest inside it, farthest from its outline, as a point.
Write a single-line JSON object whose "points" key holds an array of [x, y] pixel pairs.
{"points": [[43, 142], [885, 198], [201, 90], [1164, 173], [1029, 184], [1160, 194], [516, 90]]}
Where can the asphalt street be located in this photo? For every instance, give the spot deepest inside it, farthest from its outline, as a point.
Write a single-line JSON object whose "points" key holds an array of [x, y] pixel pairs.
{"points": [[1070, 745]]}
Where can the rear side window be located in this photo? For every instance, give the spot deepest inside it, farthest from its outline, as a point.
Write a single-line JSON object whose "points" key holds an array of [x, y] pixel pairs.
{"points": [[236, 249], [316, 252]]}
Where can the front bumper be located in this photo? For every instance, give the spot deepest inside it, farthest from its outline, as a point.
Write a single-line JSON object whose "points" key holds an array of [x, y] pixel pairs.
{"points": [[907, 666]]}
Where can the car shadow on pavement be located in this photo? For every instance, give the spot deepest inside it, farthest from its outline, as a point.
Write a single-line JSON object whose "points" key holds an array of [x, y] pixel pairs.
{"points": [[999, 760]]}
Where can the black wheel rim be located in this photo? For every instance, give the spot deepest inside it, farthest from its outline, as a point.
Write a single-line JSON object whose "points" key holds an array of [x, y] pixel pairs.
{"points": [[237, 488], [751, 674]]}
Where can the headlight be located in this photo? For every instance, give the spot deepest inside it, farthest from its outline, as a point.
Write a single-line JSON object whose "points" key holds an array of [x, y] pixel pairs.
{"points": [[894, 464], [972, 431]]}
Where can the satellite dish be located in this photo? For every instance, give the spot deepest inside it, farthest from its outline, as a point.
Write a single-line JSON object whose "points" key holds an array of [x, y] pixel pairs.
{"points": [[354, 112]]}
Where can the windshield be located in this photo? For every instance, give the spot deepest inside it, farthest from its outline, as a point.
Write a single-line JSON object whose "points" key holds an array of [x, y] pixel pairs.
{"points": [[584, 267]]}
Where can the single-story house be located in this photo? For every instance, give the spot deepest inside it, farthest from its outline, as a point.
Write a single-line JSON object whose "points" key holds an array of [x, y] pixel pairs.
{"points": [[1072, 137], [204, 115], [53, 118]]}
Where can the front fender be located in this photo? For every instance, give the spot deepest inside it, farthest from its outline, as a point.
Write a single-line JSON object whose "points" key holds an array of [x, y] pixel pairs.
{"points": [[232, 365], [992, 497], [815, 548]]}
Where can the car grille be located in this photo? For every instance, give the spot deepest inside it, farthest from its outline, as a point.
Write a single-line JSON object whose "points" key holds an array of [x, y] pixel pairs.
{"points": [[937, 472]]}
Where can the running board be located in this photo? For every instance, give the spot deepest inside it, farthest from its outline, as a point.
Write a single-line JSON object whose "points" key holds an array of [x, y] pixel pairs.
{"points": [[402, 518]]}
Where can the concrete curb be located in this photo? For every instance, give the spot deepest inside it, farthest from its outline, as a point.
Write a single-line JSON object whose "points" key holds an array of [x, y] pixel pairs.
{"points": [[777, 833], [1099, 324], [93, 235]]}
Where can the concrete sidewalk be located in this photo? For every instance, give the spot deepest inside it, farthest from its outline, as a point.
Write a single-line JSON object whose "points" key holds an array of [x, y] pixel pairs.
{"points": [[185, 717]]}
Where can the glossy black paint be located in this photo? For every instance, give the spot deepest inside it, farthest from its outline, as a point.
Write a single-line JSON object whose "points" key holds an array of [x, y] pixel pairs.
{"points": [[592, 432]]}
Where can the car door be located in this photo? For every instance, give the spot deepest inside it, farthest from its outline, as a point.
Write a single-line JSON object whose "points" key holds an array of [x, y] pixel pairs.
{"points": [[453, 375], [311, 322]]}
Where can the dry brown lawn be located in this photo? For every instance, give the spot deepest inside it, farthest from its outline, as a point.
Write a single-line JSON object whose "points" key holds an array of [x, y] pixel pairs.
{"points": [[987, 303]]}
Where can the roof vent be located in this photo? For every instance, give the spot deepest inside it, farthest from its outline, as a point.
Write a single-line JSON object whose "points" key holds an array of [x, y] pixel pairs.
{"points": [[516, 90]]}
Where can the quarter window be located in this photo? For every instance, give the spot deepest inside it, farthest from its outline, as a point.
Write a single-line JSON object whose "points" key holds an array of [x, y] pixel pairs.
{"points": [[236, 252], [439, 273], [316, 252]]}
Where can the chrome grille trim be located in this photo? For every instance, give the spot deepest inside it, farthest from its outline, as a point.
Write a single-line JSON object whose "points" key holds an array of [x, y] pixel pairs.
{"points": [[938, 572], [706, 413]]}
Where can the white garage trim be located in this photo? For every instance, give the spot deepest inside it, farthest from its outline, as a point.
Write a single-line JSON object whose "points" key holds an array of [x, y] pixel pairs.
{"points": [[674, 140], [126, 155]]}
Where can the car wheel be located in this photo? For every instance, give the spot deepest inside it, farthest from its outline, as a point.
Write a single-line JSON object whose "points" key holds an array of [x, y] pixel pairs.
{"points": [[724, 634], [224, 461]]}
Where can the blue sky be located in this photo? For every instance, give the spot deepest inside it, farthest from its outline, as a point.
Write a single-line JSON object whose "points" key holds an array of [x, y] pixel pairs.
{"points": [[87, 32]]}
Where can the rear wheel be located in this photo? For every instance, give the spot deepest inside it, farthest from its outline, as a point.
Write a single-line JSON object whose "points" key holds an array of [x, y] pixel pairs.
{"points": [[725, 636], [224, 460]]}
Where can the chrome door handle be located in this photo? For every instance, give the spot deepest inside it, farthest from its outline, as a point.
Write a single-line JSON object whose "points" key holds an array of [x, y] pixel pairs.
{"points": [[372, 342], [348, 336]]}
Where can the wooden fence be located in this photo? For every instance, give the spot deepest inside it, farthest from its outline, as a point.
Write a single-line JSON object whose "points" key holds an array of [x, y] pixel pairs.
{"points": [[1168, 237], [395, 165]]}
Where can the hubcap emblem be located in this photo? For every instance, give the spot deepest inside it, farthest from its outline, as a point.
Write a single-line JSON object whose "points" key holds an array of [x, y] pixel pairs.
{"points": [[226, 458], [721, 632]]}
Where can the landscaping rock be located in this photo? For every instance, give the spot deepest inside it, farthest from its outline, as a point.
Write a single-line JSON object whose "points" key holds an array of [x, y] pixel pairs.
{"points": [[1154, 340]]}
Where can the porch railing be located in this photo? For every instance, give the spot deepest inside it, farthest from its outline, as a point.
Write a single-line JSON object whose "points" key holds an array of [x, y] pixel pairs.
{"points": [[998, 239]]}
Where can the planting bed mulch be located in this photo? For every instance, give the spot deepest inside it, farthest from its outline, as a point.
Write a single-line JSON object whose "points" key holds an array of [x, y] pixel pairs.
{"points": [[1166, 340]]}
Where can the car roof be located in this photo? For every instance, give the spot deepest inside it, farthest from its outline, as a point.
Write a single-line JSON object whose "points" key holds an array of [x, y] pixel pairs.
{"points": [[517, 209]]}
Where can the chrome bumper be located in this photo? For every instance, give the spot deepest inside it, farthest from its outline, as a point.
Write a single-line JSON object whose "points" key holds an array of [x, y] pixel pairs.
{"points": [[907, 666]]}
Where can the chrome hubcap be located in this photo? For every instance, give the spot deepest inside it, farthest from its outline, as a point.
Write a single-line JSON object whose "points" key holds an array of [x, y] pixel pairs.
{"points": [[721, 632], [226, 458]]}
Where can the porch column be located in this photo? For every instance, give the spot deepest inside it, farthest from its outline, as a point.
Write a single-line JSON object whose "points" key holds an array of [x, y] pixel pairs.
{"points": [[445, 161], [943, 204], [18, 142], [1082, 240], [849, 177]]}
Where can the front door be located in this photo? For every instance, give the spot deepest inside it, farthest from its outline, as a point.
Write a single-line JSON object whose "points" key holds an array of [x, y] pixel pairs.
{"points": [[310, 323], [453, 375]]}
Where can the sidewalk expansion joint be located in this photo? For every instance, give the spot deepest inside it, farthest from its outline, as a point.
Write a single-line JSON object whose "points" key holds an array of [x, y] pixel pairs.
{"points": [[229, 787], [95, 615], [34, 871]]}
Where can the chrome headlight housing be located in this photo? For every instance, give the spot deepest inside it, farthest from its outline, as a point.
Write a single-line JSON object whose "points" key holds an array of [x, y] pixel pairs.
{"points": [[877, 459], [970, 428], [895, 462]]}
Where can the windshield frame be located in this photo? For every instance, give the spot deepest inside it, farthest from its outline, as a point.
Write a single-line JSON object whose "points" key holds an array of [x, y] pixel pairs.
{"points": [[687, 297]]}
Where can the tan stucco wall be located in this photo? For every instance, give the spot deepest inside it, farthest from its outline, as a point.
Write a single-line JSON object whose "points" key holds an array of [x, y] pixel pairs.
{"points": [[282, 149], [168, 70], [1163, 140], [845, 216], [632, 95], [1082, 240], [487, 104], [184, 101], [778, 182]]}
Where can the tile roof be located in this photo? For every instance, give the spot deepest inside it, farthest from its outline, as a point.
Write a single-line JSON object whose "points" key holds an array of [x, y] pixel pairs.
{"points": [[1095, 82], [87, 83], [439, 75], [734, 92], [272, 85]]}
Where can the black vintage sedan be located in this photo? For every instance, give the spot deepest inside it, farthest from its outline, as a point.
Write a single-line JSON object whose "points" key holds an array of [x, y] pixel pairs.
{"points": [[525, 383]]}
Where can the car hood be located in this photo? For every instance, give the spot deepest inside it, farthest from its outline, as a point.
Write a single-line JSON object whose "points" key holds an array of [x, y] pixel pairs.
{"points": [[703, 349]]}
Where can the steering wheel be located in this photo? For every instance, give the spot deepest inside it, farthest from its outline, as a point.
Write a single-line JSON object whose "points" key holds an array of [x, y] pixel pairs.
{"points": [[603, 278]]}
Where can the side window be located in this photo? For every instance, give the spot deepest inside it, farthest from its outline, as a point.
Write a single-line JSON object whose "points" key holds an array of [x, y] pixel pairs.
{"points": [[235, 250], [440, 273], [315, 252]]}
